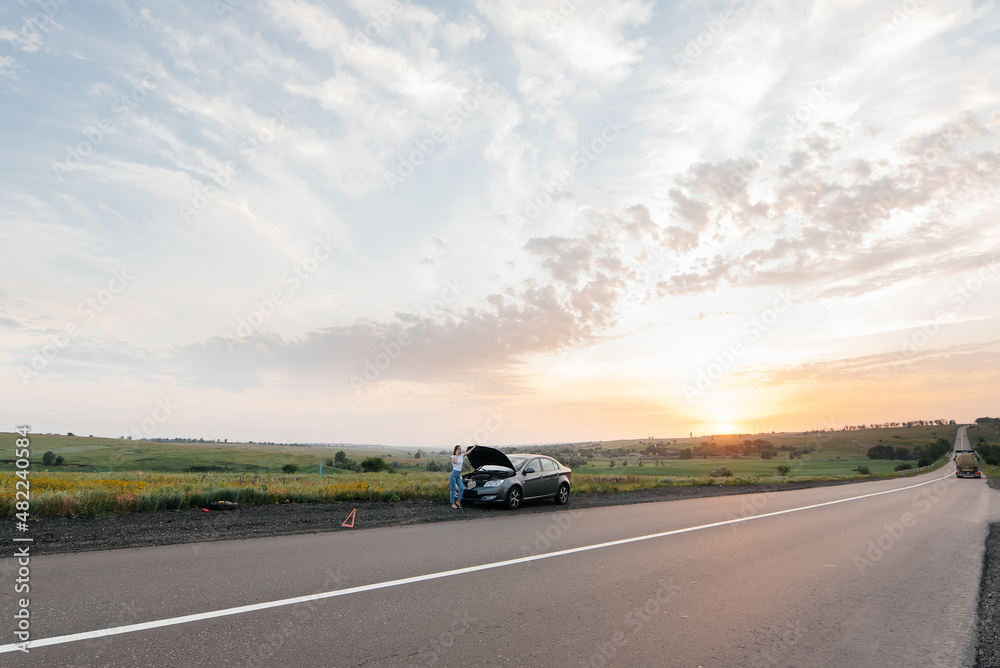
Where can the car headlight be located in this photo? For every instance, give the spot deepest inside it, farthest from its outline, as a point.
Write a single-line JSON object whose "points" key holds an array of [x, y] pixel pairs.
{"points": [[493, 483]]}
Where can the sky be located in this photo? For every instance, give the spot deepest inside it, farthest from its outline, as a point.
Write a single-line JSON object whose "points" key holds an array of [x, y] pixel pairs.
{"points": [[503, 222]]}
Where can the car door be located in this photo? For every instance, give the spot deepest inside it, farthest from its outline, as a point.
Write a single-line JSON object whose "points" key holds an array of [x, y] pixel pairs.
{"points": [[550, 476], [533, 482]]}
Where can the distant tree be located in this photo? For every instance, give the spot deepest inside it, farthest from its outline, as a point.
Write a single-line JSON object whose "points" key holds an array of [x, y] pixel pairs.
{"points": [[373, 465], [612, 464], [418, 455], [69, 433], [339, 458], [48, 458], [432, 465], [686, 453], [881, 452], [59, 460], [766, 454], [289, 468]]}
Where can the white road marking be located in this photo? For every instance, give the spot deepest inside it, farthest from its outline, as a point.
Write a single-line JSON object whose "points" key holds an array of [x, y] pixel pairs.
{"points": [[186, 619]]}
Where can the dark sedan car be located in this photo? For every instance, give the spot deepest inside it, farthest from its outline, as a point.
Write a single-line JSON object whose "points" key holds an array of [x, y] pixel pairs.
{"points": [[500, 478]]}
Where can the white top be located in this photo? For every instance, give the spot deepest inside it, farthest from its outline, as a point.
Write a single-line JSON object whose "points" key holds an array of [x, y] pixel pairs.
{"points": [[456, 462]]}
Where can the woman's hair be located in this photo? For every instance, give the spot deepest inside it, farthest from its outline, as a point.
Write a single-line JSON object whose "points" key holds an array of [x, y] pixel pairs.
{"points": [[455, 450]]}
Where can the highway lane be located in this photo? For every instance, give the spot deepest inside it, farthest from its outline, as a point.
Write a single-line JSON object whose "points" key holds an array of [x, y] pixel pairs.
{"points": [[962, 439], [886, 580]]}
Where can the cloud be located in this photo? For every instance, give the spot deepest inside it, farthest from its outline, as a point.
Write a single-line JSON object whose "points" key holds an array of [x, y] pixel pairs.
{"points": [[27, 39], [564, 50], [967, 359], [804, 219], [7, 65]]}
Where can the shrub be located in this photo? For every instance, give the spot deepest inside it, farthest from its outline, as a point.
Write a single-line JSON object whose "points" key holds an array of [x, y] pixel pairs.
{"points": [[59, 460], [784, 469], [721, 472], [685, 453], [881, 452], [289, 468], [432, 465], [48, 458], [863, 470], [373, 465], [903, 467], [766, 454]]}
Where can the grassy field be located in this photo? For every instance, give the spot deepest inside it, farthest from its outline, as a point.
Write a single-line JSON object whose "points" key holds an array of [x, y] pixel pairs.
{"points": [[84, 453], [834, 453], [989, 433], [102, 475]]}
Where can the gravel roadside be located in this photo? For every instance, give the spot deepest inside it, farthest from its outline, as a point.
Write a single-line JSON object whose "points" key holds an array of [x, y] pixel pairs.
{"points": [[55, 534], [988, 645], [988, 640]]}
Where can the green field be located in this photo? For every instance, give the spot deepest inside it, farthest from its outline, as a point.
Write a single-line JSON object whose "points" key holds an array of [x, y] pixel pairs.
{"points": [[103, 475], [83, 453], [834, 453]]}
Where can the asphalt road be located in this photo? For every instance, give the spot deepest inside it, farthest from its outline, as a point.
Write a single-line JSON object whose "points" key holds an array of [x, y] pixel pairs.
{"points": [[886, 580]]}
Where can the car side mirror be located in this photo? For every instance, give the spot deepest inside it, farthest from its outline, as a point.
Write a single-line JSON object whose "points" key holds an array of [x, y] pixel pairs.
{"points": [[528, 470]]}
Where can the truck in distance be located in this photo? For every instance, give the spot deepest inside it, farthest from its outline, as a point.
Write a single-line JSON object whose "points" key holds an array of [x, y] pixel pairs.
{"points": [[967, 464]]}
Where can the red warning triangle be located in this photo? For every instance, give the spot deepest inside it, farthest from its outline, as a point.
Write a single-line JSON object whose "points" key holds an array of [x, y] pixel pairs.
{"points": [[349, 522]]}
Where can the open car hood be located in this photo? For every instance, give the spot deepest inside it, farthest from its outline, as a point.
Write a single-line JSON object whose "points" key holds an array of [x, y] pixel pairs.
{"points": [[482, 455]]}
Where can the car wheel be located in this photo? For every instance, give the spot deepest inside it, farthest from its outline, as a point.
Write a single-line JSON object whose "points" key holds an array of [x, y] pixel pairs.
{"points": [[562, 496], [513, 499]]}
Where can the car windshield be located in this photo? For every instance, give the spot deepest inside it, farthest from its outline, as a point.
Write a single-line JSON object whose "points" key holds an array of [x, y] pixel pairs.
{"points": [[518, 462]]}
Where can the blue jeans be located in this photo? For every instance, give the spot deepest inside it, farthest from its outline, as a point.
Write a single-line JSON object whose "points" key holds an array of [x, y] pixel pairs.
{"points": [[455, 483]]}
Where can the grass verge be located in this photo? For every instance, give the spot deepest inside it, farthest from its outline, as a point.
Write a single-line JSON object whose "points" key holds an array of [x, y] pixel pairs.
{"points": [[96, 494]]}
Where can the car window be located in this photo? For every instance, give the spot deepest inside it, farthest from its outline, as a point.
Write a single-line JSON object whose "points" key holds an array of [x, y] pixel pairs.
{"points": [[533, 464], [549, 465]]}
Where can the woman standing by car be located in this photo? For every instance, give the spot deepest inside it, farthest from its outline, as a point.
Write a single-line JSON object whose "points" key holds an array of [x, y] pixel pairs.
{"points": [[455, 479]]}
